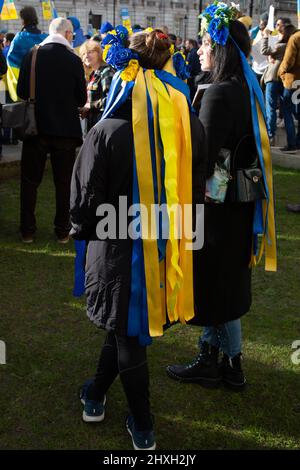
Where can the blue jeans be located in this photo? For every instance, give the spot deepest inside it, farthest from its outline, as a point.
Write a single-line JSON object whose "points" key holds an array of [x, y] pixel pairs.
{"points": [[227, 337], [273, 92], [288, 110]]}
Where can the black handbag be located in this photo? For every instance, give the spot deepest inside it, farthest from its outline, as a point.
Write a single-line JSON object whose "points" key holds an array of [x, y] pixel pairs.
{"points": [[246, 182], [21, 115]]}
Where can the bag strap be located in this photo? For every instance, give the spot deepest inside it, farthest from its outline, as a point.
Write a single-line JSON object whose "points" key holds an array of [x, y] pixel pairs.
{"points": [[33, 74], [234, 156]]}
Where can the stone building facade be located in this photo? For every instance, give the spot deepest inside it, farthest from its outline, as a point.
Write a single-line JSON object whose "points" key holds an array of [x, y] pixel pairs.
{"points": [[181, 16], [286, 8]]}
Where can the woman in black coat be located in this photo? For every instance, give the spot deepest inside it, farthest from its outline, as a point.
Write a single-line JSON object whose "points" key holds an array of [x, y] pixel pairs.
{"points": [[102, 174], [222, 280]]}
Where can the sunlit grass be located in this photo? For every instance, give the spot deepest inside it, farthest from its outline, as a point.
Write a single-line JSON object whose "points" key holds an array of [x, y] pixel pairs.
{"points": [[52, 348]]}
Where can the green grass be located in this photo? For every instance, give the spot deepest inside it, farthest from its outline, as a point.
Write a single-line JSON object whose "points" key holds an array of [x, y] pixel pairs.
{"points": [[52, 348]]}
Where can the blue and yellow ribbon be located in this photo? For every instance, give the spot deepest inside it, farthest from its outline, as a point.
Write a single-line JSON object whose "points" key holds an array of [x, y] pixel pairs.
{"points": [[162, 270], [264, 220]]}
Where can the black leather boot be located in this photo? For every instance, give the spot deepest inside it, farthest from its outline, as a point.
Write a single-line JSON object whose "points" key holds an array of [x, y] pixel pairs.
{"points": [[203, 370], [232, 372]]}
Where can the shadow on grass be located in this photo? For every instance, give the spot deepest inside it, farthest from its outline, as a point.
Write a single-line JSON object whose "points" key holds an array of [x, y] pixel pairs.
{"points": [[40, 406], [52, 348]]}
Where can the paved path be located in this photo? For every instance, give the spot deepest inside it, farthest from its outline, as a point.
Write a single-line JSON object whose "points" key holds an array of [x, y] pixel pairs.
{"points": [[12, 153]]}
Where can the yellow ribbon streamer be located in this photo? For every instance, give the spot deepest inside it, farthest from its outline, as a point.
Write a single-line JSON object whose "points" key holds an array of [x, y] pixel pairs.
{"points": [[268, 242], [175, 134], [146, 190]]}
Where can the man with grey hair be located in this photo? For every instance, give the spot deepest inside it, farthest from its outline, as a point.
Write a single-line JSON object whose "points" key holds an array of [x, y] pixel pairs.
{"points": [[62, 27], [60, 91]]}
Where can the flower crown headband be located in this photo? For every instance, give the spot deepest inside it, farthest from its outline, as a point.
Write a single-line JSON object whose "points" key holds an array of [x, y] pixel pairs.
{"points": [[123, 59], [216, 19]]}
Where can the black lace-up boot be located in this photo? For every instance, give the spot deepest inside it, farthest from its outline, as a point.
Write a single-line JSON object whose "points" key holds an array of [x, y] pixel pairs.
{"points": [[202, 370], [232, 372]]}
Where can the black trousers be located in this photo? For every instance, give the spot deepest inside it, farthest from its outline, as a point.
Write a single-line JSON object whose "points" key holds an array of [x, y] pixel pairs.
{"points": [[124, 356], [33, 160]]}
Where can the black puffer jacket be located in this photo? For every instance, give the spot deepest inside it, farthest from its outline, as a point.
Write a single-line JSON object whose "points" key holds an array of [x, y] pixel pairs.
{"points": [[102, 173]]}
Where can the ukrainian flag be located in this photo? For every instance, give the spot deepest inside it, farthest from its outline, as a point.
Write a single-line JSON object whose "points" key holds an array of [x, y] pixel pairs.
{"points": [[21, 44]]}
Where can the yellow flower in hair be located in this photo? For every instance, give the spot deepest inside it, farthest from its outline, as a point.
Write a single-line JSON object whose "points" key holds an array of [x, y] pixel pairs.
{"points": [[129, 74], [105, 51], [172, 49], [149, 30]]}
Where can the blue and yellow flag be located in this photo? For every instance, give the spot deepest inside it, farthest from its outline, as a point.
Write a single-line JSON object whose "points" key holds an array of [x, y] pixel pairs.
{"points": [[54, 11], [8, 10], [20, 46], [47, 10]]}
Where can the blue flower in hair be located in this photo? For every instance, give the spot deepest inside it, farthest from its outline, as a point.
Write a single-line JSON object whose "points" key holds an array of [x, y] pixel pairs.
{"points": [[216, 20], [118, 56], [122, 33], [180, 66], [211, 10], [218, 31], [109, 40]]}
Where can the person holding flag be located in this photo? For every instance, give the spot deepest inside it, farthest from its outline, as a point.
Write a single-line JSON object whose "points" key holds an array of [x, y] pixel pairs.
{"points": [[233, 116], [24, 40]]}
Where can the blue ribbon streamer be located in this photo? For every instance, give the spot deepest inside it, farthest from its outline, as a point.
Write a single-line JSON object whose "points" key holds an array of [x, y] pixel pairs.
{"points": [[138, 309], [175, 82], [256, 93], [79, 288]]}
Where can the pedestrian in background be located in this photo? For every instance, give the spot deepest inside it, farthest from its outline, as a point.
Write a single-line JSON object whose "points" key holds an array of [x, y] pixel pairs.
{"points": [[60, 92]]}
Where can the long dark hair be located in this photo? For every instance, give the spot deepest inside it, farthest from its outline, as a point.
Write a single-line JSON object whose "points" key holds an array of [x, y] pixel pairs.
{"points": [[29, 16], [226, 59], [288, 31]]}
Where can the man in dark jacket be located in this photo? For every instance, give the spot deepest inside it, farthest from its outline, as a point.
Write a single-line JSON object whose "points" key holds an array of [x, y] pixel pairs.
{"points": [[60, 91], [192, 58]]}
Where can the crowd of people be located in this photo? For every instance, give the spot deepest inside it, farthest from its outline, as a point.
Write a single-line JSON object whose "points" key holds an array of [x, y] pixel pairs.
{"points": [[125, 97]]}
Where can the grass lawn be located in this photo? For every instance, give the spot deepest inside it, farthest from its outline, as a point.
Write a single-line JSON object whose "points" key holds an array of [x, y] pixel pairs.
{"points": [[52, 348]]}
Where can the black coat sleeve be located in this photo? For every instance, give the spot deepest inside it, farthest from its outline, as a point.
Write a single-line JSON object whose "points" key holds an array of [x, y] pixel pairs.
{"points": [[24, 77], [216, 119], [3, 64], [80, 87], [88, 185]]}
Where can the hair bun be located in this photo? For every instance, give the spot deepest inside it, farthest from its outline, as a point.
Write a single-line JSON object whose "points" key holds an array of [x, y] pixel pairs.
{"points": [[158, 40]]}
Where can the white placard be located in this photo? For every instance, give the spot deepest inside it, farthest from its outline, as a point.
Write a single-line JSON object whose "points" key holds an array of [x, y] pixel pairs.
{"points": [[271, 19]]}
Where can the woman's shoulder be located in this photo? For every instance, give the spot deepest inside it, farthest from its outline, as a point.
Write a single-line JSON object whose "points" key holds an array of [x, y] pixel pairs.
{"points": [[222, 90], [105, 70], [114, 128]]}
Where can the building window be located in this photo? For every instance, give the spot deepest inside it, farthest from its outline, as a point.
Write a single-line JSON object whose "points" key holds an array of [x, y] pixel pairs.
{"points": [[151, 4], [179, 26], [151, 21], [63, 14]]}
